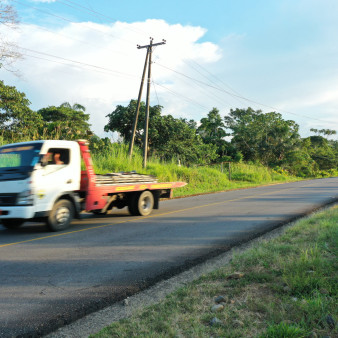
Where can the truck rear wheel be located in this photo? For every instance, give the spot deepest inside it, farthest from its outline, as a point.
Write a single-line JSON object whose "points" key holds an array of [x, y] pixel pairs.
{"points": [[12, 223], [141, 204], [60, 216]]}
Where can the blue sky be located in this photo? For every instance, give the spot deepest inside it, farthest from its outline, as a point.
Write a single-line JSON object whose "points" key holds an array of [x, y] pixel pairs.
{"points": [[276, 55]]}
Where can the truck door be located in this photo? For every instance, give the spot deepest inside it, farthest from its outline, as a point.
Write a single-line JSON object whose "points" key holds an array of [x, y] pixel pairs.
{"points": [[57, 175]]}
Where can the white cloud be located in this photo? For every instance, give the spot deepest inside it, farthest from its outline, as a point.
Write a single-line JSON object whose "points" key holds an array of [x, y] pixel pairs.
{"points": [[108, 47]]}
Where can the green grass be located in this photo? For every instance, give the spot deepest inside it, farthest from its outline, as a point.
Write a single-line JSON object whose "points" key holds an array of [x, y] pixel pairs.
{"points": [[200, 179], [288, 289]]}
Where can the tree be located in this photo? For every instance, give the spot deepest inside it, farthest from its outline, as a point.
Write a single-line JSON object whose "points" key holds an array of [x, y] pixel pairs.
{"points": [[168, 136], [65, 121], [322, 151], [212, 131], [327, 132], [174, 137], [8, 50], [266, 138], [121, 121], [17, 120]]}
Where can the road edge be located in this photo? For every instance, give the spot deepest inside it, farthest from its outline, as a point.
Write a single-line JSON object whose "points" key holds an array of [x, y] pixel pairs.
{"points": [[96, 321]]}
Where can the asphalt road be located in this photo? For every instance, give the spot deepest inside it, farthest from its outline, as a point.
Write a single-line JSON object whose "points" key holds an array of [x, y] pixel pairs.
{"points": [[51, 279]]}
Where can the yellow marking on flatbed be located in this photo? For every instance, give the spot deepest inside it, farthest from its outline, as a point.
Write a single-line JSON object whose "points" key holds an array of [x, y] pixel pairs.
{"points": [[161, 186], [127, 188]]}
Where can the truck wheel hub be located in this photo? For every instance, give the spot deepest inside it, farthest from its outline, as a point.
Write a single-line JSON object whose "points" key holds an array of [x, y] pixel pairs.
{"points": [[146, 203], [62, 215]]}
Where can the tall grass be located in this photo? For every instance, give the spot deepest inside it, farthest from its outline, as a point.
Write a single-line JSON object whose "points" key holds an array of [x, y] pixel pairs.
{"points": [[200, 179]]}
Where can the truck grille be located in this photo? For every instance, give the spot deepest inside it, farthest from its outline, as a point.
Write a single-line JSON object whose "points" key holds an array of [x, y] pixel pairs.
{"points": [[8, 199]]}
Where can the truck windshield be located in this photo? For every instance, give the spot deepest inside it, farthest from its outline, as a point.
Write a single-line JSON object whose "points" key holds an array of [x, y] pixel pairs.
{"points": [[17, 161]]}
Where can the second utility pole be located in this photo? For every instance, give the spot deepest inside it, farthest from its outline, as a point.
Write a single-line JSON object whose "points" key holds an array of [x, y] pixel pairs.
{"points": [[146, 121]]}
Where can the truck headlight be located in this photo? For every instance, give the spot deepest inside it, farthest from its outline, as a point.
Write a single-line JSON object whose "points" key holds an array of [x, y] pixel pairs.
{"points": [[25, 198]]}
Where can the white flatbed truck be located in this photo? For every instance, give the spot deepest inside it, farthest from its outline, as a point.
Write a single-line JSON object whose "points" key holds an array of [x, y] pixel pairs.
{"points": [[43, 181]]}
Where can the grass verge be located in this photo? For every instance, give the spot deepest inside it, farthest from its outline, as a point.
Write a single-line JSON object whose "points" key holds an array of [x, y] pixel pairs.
{"points": [[200, 179], [285, 287]]}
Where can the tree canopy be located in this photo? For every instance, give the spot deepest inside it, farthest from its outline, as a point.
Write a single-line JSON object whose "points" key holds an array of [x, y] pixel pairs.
{"points": [[65, 121], [212, 131], [17, 120], [266, 138], [168, 136]]}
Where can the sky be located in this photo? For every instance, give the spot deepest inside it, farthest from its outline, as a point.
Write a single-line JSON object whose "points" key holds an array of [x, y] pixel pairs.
{"points": [[269, 55]]}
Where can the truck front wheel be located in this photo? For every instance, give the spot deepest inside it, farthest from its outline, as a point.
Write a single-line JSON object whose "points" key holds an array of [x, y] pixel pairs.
{"points": [[60, 216], [12, 223], [141, 204]]}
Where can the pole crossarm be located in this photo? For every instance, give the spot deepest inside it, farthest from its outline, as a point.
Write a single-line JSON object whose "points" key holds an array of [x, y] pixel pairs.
{"points": [[152, 44]]}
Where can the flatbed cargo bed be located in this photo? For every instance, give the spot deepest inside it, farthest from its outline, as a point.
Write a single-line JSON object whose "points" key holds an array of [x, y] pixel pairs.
{"points": [[123, 177]]}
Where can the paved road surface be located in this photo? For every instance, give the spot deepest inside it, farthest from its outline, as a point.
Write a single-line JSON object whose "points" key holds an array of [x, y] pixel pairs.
{"points": [[50, 279]]}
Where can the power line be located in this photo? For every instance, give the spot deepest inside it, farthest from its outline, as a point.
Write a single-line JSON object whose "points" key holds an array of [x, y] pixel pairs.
{"points": [[182, 96], [80, 63], [212, 94], [217, 78], [70, 21], [67, 64], [211, 81], [105, 71], [96, 13], [239, 96], [78, 40], [81, 8], [158, 101]]}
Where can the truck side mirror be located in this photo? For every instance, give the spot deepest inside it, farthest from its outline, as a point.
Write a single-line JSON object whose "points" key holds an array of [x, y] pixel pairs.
{"points": [[43, 160]]}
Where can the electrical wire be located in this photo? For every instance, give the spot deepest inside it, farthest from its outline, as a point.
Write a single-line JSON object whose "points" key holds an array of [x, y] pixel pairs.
{"points": [[158, 101], [81, 63], [217, 78], [210, 94], [70, 21], [105, 71], [67, 20], [211, 81], [69, 65], [239, 96], [96, 13], [78, 40], [182, 96]]}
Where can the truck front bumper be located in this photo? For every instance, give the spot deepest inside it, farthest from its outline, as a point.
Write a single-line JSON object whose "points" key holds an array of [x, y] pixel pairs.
{"points": [[24, 212]]}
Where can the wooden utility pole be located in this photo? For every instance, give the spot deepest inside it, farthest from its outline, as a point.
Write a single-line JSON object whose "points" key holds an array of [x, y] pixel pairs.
{"points": [[146, 123], [131, 146]]}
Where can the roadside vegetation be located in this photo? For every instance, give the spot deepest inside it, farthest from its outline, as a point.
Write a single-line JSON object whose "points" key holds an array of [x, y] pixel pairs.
{"points": [[200, 179], [262, 147], [284, 287]]}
